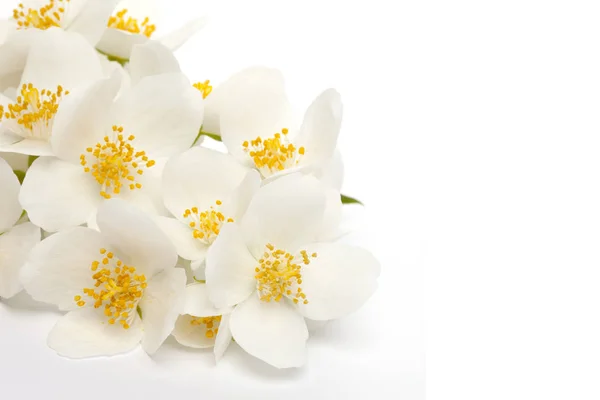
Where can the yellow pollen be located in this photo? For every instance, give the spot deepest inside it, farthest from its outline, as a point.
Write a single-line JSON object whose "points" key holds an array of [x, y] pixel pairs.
{"points": [[279, 274], [117, 289], [47, 16], [212, 324], [204, 87], [206, 225], [126, 23], [34, 109], [115, 163], [273, 154]]}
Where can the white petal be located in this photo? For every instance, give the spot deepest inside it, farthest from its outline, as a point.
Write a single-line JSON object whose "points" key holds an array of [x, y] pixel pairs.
{"points": [[149, 198], [330, 230], [5, 28], [182, 238], [178, 37], [338, 281], [321, 128], [252, 103], [15, 246], [90, 22], [161, 305], [136, 237], [10, 209], [13, 54], [118, 43], [189, 179], [58, 195], [243, 194], [16, 144], [273, 332], [82, 118], [151, 58], [229, 269], [164, 112], [58, 267], [198, 304], [223, 339], [61, 58], [192, 335], [332, 173], [86, 333], [286, 213]]}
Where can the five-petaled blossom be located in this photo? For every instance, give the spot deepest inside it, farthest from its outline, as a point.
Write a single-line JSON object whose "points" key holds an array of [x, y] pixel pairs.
{"points": [[275, 270], [134, 22], [55, 64], [107, 147], [202, 201], [16, 239], [257, 127], [119, 285]]}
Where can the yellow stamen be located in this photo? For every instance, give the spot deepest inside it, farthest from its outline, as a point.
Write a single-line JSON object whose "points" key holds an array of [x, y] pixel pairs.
{"points": [[206, 225], [47, 16], [278, 275], [212, 324], [34, 110], [273, 154], [116, 289], [204, 87], [128, 24], [115, 162]]}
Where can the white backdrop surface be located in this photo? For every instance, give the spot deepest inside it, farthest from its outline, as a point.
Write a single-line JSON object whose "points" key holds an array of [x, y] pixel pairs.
{"points": [[362, 49]]}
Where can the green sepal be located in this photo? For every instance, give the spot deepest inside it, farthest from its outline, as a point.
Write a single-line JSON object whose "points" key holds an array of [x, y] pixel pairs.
{"points": [[20, 175], [122, 61], [350, 200]]}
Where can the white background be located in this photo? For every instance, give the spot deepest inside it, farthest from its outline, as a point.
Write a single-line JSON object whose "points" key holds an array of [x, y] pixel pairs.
{"points": [[471, 132], [378, 350]]}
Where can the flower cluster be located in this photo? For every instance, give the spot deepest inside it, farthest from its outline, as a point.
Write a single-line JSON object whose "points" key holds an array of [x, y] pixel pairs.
{"points": [[113, 209]]}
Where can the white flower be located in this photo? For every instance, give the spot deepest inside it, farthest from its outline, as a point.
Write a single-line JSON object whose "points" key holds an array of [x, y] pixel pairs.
{"points": [[111, 148], [119, 285], [84, 17], [257, 127], [204, 190], [274, 269], [201, 325], [15, 240], [56, 63], [133, 23]]}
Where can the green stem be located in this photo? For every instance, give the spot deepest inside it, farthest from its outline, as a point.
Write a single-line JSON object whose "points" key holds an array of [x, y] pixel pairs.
{"points": [[213, 136]]}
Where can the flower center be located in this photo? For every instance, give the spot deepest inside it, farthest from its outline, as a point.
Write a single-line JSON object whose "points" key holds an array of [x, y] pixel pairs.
{"points": [[34, 110], [118, 288], [212, 324], [42, 18], [207, 224], [273, 154], [115, 162], [128, 24], [204, 87], [278, 275]]}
